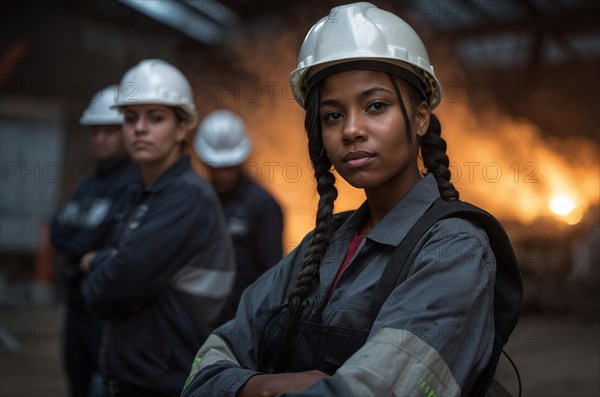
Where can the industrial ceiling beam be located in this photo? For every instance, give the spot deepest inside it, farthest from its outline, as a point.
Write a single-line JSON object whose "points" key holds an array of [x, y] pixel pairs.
{"points": [[582, 21], [181, 17]]}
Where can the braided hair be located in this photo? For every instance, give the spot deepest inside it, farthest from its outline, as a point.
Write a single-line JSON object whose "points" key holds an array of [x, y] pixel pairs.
{"points": [[433, 146], [433, 152], [327, 195]]}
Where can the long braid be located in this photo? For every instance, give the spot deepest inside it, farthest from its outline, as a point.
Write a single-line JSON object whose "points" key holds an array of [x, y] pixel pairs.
{"points": [[328, 193], [435, 159], [433, 146]]}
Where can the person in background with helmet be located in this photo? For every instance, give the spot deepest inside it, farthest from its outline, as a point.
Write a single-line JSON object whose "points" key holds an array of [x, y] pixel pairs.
{"points": [[165, 280], [84, 224], [254, 218], [340, 315]]}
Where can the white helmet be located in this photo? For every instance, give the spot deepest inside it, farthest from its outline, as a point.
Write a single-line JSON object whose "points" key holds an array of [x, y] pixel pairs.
{"points": [[154, 81], [221, 140], [99, 110], [363, 32]]}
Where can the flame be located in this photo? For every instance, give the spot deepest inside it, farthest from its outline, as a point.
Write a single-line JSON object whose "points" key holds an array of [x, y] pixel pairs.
{"points": [[509, 168], [503, 165], [566, 208], [562, 205]]}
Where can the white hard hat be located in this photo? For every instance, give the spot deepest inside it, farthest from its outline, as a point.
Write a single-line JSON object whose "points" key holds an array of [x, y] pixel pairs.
{"points": [[154, 81], [221, 140], [363, 32], [99, 111]]}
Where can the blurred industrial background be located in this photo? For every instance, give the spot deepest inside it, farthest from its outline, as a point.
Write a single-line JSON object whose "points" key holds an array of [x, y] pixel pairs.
{"points": [[521, 114]]}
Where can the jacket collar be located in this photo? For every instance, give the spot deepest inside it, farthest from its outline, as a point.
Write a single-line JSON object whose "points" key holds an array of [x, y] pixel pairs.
{"points": [[396, 224], [180, 166]]}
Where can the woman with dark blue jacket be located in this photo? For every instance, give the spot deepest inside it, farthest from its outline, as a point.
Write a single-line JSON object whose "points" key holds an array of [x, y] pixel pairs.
{"points": [[164, 282]]}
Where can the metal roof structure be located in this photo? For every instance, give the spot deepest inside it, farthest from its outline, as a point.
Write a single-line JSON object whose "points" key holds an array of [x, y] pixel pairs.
{"points": [[488, 32]]}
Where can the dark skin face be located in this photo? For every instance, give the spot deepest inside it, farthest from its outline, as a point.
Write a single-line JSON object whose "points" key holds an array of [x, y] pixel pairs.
{"points": [[365, 136], [107, 143], [225, 179]]}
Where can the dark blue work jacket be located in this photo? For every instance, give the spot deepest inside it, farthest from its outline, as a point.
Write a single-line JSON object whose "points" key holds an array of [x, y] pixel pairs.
{"points": [[85, 222], [164, 285]]}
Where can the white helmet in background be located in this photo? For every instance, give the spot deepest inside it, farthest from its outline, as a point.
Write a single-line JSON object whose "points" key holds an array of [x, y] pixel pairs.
{"points": [[154, 81], [363, 32], [221, 140], [99, 111]]}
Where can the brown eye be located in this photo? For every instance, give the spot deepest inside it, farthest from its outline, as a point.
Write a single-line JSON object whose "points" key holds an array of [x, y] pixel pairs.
{"points": [[130, 118], [332, 116], [376, 106]]}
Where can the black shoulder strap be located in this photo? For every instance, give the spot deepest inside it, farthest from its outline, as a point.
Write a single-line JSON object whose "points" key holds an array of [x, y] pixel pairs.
{"points": [[508, 289]]}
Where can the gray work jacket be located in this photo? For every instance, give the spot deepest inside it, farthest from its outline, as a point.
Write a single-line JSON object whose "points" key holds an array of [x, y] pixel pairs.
{"points": [[432, 337]]}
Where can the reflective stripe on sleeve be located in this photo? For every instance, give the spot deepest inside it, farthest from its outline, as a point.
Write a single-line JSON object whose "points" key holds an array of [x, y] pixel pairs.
{"points": [[205, 282], [397, 362], [212, 351]]}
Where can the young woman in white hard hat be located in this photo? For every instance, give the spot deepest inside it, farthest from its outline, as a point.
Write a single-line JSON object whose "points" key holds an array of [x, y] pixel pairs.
{"points": [[163, 283], [390, 299]]}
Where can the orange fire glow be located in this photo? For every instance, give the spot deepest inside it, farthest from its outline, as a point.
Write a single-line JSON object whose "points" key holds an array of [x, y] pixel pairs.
{"points": [[509, 168], [503, 165]]}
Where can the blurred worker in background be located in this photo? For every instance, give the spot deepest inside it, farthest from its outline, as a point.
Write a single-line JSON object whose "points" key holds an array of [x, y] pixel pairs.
{"points": [[254, 218], [84, 225], [167, 275]]}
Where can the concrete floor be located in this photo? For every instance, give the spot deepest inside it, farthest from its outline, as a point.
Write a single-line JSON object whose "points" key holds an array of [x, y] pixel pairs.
{"points": [[33, 369], [557, 356]]}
